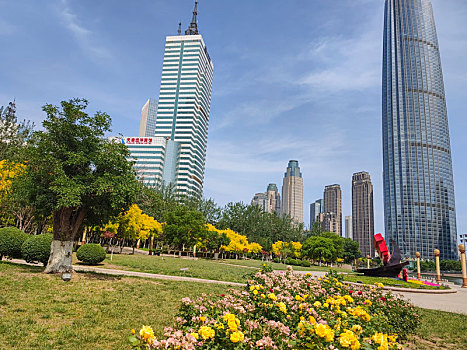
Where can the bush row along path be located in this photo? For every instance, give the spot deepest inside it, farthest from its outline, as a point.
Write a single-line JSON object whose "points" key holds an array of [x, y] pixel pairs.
{"points": [[456, 302]]}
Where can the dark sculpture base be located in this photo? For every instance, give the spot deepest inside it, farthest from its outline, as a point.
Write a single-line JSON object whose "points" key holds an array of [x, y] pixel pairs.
{"points": [[384, 271]]}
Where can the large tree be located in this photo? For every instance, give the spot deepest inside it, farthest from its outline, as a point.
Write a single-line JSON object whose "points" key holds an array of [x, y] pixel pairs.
{"points": [[76, 174]]}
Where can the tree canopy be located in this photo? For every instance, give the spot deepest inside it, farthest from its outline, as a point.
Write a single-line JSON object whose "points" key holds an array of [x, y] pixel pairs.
{"points": [[76, 174]]}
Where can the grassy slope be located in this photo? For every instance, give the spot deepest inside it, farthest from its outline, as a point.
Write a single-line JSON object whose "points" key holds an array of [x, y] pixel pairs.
{"points": [[385, 281], [276, 266], [91, 311], [200, 268]]}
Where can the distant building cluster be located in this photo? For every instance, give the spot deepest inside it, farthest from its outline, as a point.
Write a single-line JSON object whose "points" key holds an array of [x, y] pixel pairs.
{"points": [[419, 206]]}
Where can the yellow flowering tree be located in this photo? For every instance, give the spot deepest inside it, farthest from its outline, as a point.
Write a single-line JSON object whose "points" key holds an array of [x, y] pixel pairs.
{"points": [[12, 206], [134, 225]]}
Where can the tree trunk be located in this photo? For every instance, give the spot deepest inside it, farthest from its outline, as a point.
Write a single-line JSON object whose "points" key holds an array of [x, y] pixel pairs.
{"points": [[151, 244], [66, 224]]}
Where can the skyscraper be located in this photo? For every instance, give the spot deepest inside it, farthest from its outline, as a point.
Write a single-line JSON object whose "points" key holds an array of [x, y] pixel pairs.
{"points": [[348, 227], [147, 126], [292, 192], [274, 199], [316, 208], [182, 112], [269, 201], [418, 181], [363, 227], [333, 209], [260, 200]]}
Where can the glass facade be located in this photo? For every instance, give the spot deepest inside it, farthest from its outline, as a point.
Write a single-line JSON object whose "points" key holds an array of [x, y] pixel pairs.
{"points": [[184, 108], [418, 182]]}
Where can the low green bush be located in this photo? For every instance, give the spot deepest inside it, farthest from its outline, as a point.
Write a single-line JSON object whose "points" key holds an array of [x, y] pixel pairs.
{"points": [[90, 254], [306, 263], [11, 240], [290, 261], [37, 248]]}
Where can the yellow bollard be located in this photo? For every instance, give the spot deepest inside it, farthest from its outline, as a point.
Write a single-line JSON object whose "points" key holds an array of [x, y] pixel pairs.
{"points": [[367, 261], [417, 254], [464, 267], [438, 271]]}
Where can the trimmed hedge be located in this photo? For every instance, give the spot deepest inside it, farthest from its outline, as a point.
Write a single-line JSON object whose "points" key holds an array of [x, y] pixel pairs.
{"points": [[90, 254], [37, 248], [306, 263], [11, 240]]}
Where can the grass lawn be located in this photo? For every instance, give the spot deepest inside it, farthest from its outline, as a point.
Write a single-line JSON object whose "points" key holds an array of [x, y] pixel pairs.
{"points": [[200, 268], [276, 266], [385, 281], [92, 311], [440, 330]]}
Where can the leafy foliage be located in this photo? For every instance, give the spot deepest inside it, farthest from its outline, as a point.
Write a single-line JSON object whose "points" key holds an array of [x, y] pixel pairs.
{"points": [[13, 134], [90, 254], [184, 227], [37, 248], [74, 172], [258, 226], [11, 240]]}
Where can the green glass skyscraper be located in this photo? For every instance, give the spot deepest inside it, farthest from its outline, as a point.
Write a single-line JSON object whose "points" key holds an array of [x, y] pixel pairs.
{"points": [[418, 181]]}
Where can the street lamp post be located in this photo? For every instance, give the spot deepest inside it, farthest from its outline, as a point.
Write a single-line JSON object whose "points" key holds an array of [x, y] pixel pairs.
{"points": [[367, 261], [417, 254], [438, 270], [464, 268]]}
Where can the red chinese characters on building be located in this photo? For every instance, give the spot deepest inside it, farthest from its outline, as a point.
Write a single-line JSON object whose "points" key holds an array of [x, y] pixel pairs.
{"points": [[138, 140]]}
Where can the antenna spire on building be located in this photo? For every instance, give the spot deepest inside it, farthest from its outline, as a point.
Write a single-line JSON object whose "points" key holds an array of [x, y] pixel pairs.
{"points": [[193, 28], [179, 28]]}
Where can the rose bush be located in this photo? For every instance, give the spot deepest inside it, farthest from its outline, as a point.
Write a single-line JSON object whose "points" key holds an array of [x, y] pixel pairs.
{"points": [[289, 311]]}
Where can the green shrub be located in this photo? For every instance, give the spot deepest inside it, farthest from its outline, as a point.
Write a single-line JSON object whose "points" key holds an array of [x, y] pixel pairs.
{"points": [[90, 254], [306, 263], [11, 240], [276, 260], [37, 248], [290, 261]]}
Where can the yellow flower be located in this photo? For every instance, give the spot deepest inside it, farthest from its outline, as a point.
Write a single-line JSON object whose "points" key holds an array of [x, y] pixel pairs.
{"points": [[324, 331], [195, 335], [357, 329], [299, 298], [219, 325], [317, 304], [263, 296], [312, 320], [326, 305], [206, 332], [308, 274], [282, 307], [252, 288], [368, 302], [255, 292], [272, 296], [133, 331], [147, 334], [236, 337], [202, 319]]}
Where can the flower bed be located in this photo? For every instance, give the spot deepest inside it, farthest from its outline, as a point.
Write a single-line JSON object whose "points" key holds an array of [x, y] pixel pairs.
{"points": [[288, 311]]}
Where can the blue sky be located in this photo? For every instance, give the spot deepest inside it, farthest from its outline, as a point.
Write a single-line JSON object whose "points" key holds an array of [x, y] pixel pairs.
{"points": [[297, 79]]}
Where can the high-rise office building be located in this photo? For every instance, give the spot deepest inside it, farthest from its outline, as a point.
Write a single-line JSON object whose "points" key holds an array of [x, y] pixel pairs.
{"points": [[363, 213], [333, 209], [260, 200], [348, 227], [419, 202], [147, 126], [292, 192], [316, 208], [182, 116], [274, 199], [269, 201]]}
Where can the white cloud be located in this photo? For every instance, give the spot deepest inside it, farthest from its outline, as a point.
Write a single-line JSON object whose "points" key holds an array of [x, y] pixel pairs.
{"points": [[81, 34]]}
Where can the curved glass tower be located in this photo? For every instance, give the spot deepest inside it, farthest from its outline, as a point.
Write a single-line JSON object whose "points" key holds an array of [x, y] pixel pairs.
{"points": [[418, 182]]}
